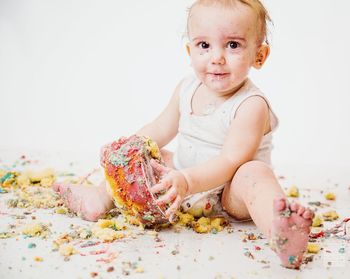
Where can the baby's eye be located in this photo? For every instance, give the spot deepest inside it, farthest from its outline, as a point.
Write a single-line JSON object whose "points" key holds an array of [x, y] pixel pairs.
{"points": [[233, 44], [203, 45]]}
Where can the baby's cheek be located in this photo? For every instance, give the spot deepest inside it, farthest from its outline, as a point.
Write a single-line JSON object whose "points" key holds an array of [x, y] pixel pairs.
{"points": [[199, 61], [240, 66]]}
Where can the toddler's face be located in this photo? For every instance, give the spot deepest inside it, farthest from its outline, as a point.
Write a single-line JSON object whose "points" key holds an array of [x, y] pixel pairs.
{"points": [[223, 45]]}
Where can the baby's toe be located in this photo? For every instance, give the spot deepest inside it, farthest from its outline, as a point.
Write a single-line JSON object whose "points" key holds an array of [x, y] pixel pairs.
{"points": [[295, 207], [279, 204], [308, 214], [59, 187], [91, 216], [56, 186], [301, 210]]}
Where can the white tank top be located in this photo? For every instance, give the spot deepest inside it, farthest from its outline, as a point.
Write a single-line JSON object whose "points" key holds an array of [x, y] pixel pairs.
{"points": [[201, 137]]}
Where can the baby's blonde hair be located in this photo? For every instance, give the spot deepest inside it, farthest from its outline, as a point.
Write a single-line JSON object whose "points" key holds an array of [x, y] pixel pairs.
{"points": [[262, 14]]}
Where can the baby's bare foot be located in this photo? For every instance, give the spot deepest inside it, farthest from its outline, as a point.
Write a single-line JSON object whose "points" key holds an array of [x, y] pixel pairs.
{"points": [[90, 202], [290, 231]]}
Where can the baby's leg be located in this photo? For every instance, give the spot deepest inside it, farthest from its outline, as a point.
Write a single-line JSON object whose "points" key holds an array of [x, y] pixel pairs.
{"points": [[91, 202], [254, 192]]}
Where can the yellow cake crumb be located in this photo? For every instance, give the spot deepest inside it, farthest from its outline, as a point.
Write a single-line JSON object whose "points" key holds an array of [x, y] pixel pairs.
{"points": [[104, 223], [38, 259], [61, 210], [216, 223], [62, 239], [84, 233], [32, 229], [38, 176], [107, 234], [4, 235], [35, 229], [132, 220], [67, 250], [330, 215], [139, 270], [313, 248], [152, 233], [208, 224], [317, 221], [8, 178], [185, 218], [23, 180], [293, 192], [44, 178], [47, 181], [153, 148], [109, 223], [37, 197], [330, 196], [202, 225]]}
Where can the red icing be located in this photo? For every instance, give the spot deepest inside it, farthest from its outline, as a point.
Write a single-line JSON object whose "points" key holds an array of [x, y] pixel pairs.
{"points": [[317, 235]]}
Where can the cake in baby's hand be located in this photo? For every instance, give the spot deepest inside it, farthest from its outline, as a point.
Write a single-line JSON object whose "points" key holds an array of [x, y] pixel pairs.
{"points": [[129, 175]]}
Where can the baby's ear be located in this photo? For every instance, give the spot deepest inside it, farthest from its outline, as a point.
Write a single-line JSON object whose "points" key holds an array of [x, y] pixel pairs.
{"points": [[261, 56], [188, 48]]}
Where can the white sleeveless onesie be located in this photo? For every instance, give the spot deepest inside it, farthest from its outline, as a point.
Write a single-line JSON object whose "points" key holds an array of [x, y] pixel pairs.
{"points": [[201, 137]]}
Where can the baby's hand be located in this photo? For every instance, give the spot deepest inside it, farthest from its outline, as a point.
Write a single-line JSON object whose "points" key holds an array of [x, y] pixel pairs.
{"points": [[175, 185]]}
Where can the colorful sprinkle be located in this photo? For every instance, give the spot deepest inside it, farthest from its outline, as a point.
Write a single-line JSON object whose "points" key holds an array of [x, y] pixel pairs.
{"points": [[291, 259], [31, 245], [342, 250]]}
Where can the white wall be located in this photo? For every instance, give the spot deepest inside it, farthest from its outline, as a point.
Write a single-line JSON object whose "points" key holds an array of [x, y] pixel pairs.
{"points": [[77, 74]]}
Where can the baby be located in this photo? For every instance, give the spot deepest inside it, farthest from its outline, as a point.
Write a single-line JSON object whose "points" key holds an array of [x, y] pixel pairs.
{"points": [[224, 125]]}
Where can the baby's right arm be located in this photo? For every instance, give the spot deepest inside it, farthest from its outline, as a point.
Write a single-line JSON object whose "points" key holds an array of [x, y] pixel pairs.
{"points": [[165, 127]]}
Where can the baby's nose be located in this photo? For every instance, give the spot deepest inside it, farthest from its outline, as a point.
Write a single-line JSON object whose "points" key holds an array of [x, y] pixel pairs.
{"points": [[218, 56]]}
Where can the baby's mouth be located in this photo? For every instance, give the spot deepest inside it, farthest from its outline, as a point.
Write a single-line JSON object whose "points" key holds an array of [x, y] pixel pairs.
{"points": [[218, 75]]}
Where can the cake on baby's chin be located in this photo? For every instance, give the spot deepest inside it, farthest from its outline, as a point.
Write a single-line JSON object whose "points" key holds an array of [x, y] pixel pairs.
{"points": [[129, 175]]}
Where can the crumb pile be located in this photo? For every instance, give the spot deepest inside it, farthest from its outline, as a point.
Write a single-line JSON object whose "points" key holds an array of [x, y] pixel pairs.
{"points": [[29, 191]]}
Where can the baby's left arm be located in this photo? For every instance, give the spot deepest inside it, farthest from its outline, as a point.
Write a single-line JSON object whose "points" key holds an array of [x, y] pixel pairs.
{"points": [[245, 133], [247, 128]]}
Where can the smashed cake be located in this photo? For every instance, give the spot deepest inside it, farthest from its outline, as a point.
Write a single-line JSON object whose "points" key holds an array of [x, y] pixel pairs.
{"points": [[126, 163]]}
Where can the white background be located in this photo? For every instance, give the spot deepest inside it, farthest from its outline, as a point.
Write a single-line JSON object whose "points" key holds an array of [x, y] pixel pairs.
{"points": [[77, 74]]}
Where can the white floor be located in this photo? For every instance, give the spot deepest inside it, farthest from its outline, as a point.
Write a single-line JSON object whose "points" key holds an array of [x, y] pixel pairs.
{"points": [[169, 254]]}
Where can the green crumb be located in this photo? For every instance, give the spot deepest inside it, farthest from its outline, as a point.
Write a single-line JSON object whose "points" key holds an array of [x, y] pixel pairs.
{"points": [[291, 259], [286, 213], [31, 245], [2, 190], [341, 250], [148, 218]]}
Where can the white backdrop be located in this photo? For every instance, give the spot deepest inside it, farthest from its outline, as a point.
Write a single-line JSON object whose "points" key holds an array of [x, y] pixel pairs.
{"points": [[78, 74]]}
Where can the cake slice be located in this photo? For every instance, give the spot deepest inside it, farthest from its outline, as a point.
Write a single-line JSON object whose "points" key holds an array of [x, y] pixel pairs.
{"points": [[129, 175]]}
